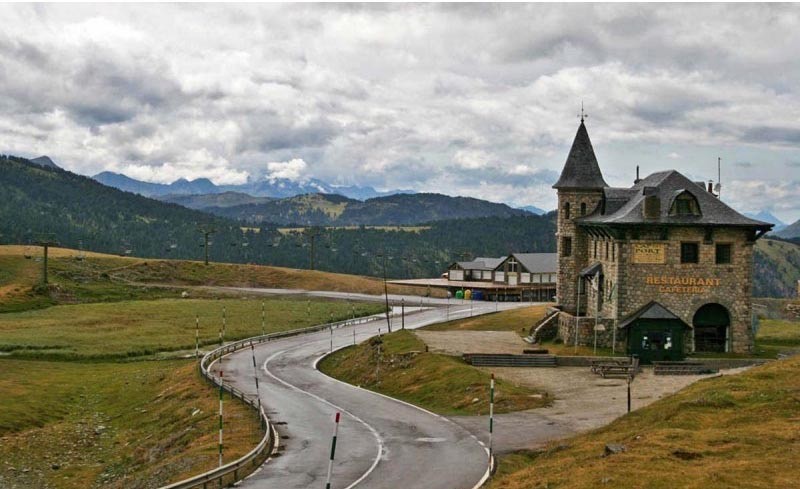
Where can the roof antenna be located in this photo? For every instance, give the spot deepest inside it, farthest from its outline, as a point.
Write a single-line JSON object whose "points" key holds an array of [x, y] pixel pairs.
{"points": [[718, 186]]}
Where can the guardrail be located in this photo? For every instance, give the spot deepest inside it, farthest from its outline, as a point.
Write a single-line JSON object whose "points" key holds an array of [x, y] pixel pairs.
{"points": [[253, 458]]}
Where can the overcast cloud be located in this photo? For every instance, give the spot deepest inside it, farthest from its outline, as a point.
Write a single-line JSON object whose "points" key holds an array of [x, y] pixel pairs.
{"points": [[475, 100]]}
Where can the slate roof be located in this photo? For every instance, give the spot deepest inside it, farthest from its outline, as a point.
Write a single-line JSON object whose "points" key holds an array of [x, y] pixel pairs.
{"points": [[538, 262], [653, 310], [625, 206], [481, 263], [581, 170]]}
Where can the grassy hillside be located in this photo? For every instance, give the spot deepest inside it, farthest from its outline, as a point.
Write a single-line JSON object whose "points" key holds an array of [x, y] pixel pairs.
{"points": [[99, 277], [732, 431], [142, 328], [397, 365], [133, 425], [777, 268]]}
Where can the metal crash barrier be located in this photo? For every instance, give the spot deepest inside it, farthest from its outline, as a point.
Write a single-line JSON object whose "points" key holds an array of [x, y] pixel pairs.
{"points": [[253, 458]]}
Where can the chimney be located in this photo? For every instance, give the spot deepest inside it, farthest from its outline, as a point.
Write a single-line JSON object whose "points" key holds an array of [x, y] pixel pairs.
{"points": [[652, 204], [711, 187], [637, 175]]}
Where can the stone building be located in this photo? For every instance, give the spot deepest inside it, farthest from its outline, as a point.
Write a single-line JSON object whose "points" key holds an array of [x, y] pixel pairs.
{"points": [[659, 269]]}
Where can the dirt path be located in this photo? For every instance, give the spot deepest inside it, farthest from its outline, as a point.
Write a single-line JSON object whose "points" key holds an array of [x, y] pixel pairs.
{"points": [[458, 342], [583, 400]]}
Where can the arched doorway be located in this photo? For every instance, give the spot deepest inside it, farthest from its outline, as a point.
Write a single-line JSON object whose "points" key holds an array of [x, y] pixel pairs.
{"points": [[711, 328]]}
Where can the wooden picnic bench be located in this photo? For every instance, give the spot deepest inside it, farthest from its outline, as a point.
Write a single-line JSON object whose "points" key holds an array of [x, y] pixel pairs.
{"points": [[598, 364]]}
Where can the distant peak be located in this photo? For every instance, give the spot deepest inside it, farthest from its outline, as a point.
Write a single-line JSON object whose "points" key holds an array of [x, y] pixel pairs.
{"points": [[44, 161]]}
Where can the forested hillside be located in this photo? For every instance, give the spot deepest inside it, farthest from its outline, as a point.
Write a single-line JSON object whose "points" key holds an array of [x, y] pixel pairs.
{"points": [[335, 210]]}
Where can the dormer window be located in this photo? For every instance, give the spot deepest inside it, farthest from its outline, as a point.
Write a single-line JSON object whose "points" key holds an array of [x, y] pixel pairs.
{"points": [[685, 204]]}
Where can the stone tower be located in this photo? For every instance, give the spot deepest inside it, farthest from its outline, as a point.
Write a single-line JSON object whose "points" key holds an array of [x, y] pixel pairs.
{"points": [[580, 190]]}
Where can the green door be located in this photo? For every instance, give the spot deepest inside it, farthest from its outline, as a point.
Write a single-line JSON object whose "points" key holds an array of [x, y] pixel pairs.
{"points": [[655, 340]]}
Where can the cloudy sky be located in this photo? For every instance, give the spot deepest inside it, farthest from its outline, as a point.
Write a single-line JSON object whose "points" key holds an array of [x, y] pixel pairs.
{"points": [[475, 100]]}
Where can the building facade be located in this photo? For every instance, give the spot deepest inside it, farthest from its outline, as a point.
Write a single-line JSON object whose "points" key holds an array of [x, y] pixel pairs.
{"points": [[659, 269]]}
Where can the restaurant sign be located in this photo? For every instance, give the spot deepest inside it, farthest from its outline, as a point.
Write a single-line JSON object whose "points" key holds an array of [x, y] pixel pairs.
{"points": [[682, 285]]}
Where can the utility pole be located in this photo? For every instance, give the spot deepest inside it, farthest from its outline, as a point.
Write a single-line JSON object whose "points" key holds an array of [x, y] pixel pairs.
{"points": [[386, 292], [45, 242], [312, 233], [206, 231]]}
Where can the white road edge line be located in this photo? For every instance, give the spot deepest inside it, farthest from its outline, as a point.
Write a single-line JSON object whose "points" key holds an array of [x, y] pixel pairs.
{"points": [[486, 475], [324, 401]]}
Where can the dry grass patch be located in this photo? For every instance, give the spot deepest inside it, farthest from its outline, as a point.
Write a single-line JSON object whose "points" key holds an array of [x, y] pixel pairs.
{"points": [[731, 431], [132, 425], [519, 320]]}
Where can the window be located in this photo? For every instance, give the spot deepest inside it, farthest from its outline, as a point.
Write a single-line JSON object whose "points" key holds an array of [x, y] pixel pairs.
{"points": [[606, 250], [594, 241], [566, 210], [613, 251], [583, 208], [689, 253], [685, 204], [723, 254], [566, 246]]}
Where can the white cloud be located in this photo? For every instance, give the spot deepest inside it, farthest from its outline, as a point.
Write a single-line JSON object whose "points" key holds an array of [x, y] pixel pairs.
{"points": [[402, 95], [294, 170]]}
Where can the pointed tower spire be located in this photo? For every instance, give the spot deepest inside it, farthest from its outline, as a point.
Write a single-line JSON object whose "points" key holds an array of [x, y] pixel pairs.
{"points": [[581, 170]]}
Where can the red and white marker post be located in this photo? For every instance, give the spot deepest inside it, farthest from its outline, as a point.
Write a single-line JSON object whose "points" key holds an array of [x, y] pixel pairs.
{"points": [[220, 418], [333, 452], [491, 414]]}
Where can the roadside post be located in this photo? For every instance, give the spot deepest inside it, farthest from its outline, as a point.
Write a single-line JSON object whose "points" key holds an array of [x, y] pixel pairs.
{"points": [[224, 321], [196, 336], [255, 377], [403, 314], [378, 359], [263, 319], [491, 415], [333, 451], [220, 422], [331, 329]]}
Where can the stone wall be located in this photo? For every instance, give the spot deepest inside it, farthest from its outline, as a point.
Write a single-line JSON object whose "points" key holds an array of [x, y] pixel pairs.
{"points": [[566, 331]]}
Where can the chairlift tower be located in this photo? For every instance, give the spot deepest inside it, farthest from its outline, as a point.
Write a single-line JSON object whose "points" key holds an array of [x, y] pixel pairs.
{"points": [[206, 231], [45, 241]]}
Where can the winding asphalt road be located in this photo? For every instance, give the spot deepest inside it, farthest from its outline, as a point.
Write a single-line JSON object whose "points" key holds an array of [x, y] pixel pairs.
{"points": [[383, 443]]}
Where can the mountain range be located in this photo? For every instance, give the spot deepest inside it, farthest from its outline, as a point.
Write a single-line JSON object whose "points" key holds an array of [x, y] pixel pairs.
{"points": [[268, 187], [76, 211], [767, 216]]}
